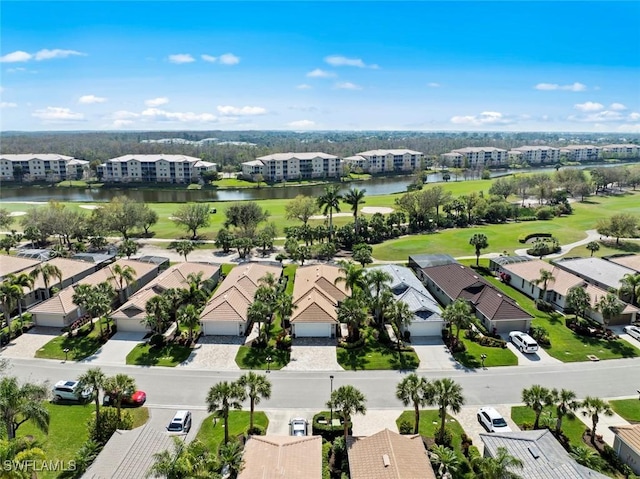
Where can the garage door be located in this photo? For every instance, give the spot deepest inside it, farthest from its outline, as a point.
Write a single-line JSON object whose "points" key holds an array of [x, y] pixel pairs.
{"points": [[426, 328], [313, 330], [130, 326], [221, 328], [516, 325], [49, 319]]}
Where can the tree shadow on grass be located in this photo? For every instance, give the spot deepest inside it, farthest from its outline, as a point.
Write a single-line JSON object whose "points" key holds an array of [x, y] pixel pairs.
{"points": [[256, 358], [554, 318], [404, 361], [170, 355], [618, 346], [353, 359], [467, 359]]}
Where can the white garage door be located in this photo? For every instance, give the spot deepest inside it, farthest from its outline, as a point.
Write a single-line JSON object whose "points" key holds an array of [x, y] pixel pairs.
{"points": [[313, 330], [131, 326], [49, 319], [426, 328], [221, 328]]}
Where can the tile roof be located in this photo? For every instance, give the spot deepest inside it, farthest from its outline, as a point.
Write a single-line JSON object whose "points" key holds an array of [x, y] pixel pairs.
{"points": [[154, 158], [541, 454], [14, 264], [35, 156], [397, 151], [316, 295], [632, 261], [629, 434], [299, 156], [282, 457], [597, 269], [530, 271], [68, 267], [388, 455]]}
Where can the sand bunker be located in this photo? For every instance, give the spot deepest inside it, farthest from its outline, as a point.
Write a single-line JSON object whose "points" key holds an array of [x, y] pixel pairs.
{"points": [[377, 209], [17, 213], [335, 215], [90, 207]]}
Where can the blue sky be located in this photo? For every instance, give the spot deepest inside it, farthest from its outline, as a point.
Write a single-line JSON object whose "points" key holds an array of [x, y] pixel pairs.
{"points": [[350, 65]]}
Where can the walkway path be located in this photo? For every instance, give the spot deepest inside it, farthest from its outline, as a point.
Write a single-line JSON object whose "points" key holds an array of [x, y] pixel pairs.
{"points": [[592, 235]]}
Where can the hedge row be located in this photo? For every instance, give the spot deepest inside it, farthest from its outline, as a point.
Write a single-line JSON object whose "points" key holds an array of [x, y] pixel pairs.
{"points": [[525, 238]]}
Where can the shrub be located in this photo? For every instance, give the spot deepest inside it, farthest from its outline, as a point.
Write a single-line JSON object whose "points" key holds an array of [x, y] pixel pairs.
{"points": [[283, 342], [492, 342], [472, 334], [157, 340], [325, 430], [525, 238], [443, 438], [405, 427], [357, 344], [544, 306], [540, 335], [108, 424], [256, 431], [473, 453], [545, 213]]}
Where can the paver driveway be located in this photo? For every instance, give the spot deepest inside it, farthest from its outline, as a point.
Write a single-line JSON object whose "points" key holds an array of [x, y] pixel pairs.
{"points": [[313, 354], [215, 352], [116, 349], [26, 345], [469, 421]]}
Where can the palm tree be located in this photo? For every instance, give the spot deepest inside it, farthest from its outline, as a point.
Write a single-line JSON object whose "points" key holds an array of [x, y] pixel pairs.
{"points": [[566, 405], [186, 461], [22, 451], [355, 198], [400, 315], [119, 387], [351, 311], [223, 397], [285, 308], [47, 271], [447, 395], [446, 459], [479, 241], [415, 390], [593, 408], [587, 457], [189, 317], [353, 276], [231, 460], [593, 246], [125, 275], [328, 203], [630, 283], [347, 401], [499, 467], [537, 397], [258, 312], [578, 300], [23, 281], [377, 280], [457, 313], [9, 296], [610, 307], [93, 379], [545, 277], [20, 403], [257, 387], [184, 248], [158, 309]]}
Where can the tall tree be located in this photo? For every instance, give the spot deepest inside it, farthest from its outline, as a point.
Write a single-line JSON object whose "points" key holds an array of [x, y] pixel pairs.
{"points": [[94, 380], [223, 397], [186, 461], [184, 248], [23, 454], [20, 403], [193, 217], [621, 225], [479, 241], [125, 276], [10, 294], [545, 277], [5, 219], [355, 198], [537, 398], [329, 203], [284, 307], [630, 284], [148, 218], [231, 459], [377, 281], [400, 315], [457, 313], [351, 311], [578, 300], [302, 208], [566, 406], [246, 216], [189, 317], [47, 271], [446, 394], [414, 389], [257, 387], [610, 307], [119, 387], [446, 460], [347, 401], [128, 248], [352, 275], [594, 407], [593, 246], [499, 467]]}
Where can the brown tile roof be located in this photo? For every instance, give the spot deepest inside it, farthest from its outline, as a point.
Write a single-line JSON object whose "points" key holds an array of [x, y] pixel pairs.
{"points": [[13, 264], [629, 434], [388, 455], [530, 271], [231, 300], [314, 307], [282, 457], [61, 303], [632, 262], [458, 281], [316, 295], [68, 267]]}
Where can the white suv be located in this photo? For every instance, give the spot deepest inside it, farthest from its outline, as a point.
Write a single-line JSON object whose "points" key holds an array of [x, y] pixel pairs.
{"points": [[492, 420], [70, 391], [524, 342], [181, 422]]}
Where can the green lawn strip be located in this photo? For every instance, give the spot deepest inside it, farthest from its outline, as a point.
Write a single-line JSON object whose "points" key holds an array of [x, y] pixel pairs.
{"points": [[290, 273], [430, 421], [226, 268], [566, 345], [211, 433], [572, 428], [234, 183], [67, 432], [629, 409], [326, 450], [495, 356], [169, 355], [256, 358], [140, 416], [375, 355], [80, 347]]}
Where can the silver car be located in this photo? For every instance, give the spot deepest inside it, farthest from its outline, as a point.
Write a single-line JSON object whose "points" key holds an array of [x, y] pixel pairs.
{"points": [[298, 427], [633, 331]]}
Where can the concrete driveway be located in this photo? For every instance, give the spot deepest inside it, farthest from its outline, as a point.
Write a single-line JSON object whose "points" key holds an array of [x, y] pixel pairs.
{"points": [[539, 358], [26, 345], [469, 421], [433, 354], [116, 349], [215, 352], [313, 354], [279, 419]]}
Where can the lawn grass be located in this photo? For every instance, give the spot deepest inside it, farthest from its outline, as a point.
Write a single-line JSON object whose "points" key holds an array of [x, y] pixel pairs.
{"points": [[430, 421], [495, 356], [212, 434], [375, 355], [232, 183], [226, 268], [169, 355], [256, 358], [80, 347], [572, 428], [140, 416], [629, 409]]}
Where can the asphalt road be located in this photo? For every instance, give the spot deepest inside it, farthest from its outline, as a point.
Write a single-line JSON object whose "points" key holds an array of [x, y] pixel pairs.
{"points": [[178, 388]]}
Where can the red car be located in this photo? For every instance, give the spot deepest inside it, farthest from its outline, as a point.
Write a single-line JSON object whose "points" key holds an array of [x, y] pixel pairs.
{"points": [[137, 399]]}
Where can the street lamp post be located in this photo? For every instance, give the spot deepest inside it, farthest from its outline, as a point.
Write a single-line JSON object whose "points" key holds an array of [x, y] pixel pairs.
{"points": [[268, 364], [331, 402]]}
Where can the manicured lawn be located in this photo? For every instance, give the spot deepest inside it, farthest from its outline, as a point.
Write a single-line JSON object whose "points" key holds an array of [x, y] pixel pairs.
{"points": [[170, 355], [235, 183], [140, 416], [629, 409], [212, 435], [430, 421], [375, 355], [573, 428], [256, 358], [495, 356], [226, 268], [80, 347], [290, 273]]}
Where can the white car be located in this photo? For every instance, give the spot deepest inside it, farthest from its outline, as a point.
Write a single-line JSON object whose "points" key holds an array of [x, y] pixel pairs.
{"points": [[181, 422], [70, 391], [298, 427], [492, 420], [633, 331], [524, 342]]}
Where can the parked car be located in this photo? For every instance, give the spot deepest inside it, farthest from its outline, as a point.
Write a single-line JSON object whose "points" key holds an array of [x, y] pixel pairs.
{"points": [[70, 391], [137, 399], [524, 342], [492, 420], [298, 426], [633, 331], [181, 422]]}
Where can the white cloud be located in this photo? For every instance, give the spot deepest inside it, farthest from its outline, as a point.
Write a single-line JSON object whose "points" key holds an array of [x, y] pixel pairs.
{"points": [[433, 84], [301, 124], [53, 114], [347, 86], [635, 116], [121, 123], [163, 115], [17, 56], [88, 99], [617, 107], [241, 111], [17, 69], [124, 115], [630, 128], [156, 101], [485, 118], [340, 61], [588, 106], [181, 58], [318, 73], [554, 86], [304, 86], [8, 104], [209, 58], [229, 59], [598, 116], [56, 53]]}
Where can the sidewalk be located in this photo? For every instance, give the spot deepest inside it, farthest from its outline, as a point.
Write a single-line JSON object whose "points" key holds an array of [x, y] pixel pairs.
{"points": [[604, 423]]}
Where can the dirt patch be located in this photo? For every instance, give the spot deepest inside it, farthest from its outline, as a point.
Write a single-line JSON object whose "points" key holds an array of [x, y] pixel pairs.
{"points": [[385, 210], [90, 207]]}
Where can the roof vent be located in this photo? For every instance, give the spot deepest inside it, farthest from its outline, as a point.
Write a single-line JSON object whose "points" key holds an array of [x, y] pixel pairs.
{"points": [[499, 295], [385, 460], [475, 276], [535, 453]]}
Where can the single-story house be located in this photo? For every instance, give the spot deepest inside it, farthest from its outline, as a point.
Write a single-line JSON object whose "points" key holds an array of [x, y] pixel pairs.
{"points": [[631, 261], [38, 254], [626, 443], [99, 259], [162, 262], [316, 297], [417, 262], [282, 457], [60, 310], [497, 312], [596, 271], [226, 312], [131, 315], [388, 455], [15, 265], [427, 319], [541, 454]]}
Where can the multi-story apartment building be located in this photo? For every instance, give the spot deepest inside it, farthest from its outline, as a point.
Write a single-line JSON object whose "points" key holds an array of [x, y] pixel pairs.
{"points": [[292, 166], [41, 166], [621, 151], [580, 152], [383, 161], [476, 157], [154, 168], [535, 155]]}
